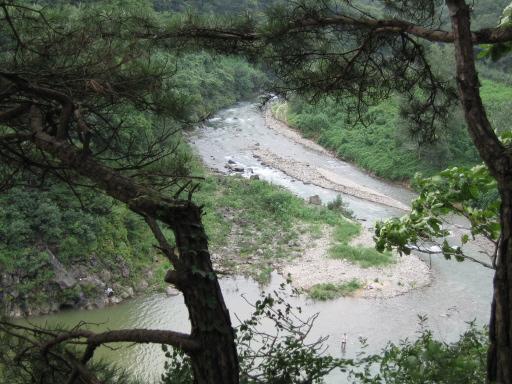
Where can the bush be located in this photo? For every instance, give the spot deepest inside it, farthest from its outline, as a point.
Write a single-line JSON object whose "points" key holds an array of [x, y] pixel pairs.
{"points": [[427, 360], [278, 201], [338, 205], [311, 124], [365, 257], [329, 291]]}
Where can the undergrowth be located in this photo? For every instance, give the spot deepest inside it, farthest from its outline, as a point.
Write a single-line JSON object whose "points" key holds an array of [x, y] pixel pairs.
{"points": [[365, 257], [329, 291]]}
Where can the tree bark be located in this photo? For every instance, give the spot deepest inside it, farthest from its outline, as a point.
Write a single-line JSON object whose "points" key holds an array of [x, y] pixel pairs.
{"points": [[217, 360], [499, 161]]}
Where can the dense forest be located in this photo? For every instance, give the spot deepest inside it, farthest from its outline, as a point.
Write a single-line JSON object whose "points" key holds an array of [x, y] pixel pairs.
{"points": [[93, 235]]}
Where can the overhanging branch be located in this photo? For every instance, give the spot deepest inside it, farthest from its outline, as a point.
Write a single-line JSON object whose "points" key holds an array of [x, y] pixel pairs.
{"points": [[175, 339], [397, 26]]}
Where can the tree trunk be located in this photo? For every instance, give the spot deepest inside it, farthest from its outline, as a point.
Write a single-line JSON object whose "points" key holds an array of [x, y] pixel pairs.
{"points": [[499, 361], [499, 161], [217, 361]]}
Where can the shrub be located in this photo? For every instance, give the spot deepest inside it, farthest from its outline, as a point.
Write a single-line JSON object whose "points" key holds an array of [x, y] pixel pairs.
{"points": [[365, 257], [312, 123], [329, 291], [338, 205]]}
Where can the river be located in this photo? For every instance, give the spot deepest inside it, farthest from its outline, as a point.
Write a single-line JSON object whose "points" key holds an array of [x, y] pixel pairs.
{"points": [[460, 292]]}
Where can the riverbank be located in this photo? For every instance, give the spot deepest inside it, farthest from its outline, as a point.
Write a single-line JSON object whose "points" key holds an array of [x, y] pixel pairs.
{"points": [[308, 263], [324, 178], [316, 267], [317, 175], [307, 260]]}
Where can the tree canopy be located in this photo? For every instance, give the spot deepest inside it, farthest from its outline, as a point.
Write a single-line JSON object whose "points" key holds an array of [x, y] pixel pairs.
{"points": [[68, 77]]}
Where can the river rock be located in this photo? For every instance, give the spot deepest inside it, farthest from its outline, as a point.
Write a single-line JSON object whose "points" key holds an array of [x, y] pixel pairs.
{"points": [[143, 286], [113, 300], [315, 200], [171, 291], [45, 309], [98, 303], [125, 272], [105, 275], [15, 311], [126, 293]]}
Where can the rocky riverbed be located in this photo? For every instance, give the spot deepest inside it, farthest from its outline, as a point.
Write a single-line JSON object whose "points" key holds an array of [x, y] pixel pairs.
{"points": [[324, 178], [314, 266], [317, 175], [308, 262]]}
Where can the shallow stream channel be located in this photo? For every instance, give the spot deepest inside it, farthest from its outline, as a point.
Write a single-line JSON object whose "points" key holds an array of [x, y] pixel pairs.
{"points": [[459, 293]]}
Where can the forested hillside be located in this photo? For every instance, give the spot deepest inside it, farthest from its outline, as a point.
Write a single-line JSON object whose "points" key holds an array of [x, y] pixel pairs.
{"points": [[382, 149], [63, 249]]}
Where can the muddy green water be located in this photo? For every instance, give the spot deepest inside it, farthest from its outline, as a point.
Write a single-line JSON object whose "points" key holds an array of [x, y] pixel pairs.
{"points": [[460, 292]]}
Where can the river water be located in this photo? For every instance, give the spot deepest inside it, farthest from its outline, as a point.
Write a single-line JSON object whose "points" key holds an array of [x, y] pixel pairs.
{"points": [[460, 292]]}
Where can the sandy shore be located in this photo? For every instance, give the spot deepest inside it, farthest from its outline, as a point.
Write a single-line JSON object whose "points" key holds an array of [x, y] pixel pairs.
{"points": [[315, 266]]}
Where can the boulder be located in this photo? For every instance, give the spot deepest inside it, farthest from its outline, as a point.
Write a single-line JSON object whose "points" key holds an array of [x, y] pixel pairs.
{"points": [[99, 303], [315, 200], [105, 275], [63, 279], [143, 286], [125, 271], [5, 279], [129, 291]]}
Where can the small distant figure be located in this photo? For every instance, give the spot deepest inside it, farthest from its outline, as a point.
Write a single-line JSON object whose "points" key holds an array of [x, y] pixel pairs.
{"points": [[344, 339], [109, 292]]}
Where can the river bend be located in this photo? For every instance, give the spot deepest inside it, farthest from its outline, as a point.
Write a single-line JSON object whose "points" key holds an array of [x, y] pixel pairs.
{"points": [[459, 293]]}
